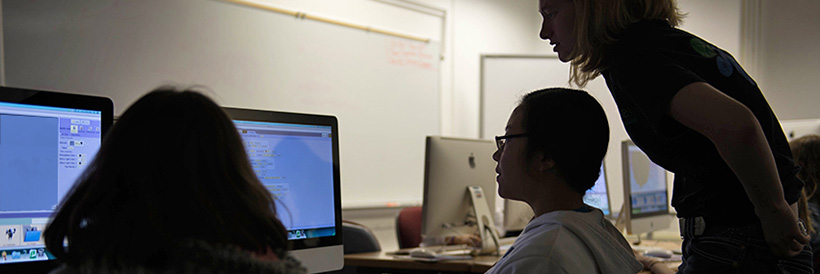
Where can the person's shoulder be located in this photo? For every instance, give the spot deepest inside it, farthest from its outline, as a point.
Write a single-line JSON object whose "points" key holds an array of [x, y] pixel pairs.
{"points": [[650, 30], [644, 39], [529, 264], [63, 269], [550, 251], [542, 239]]}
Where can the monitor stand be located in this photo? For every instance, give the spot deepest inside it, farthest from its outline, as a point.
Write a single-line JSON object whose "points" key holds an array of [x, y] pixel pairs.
{"points": [[620, 221], [486, 227]]}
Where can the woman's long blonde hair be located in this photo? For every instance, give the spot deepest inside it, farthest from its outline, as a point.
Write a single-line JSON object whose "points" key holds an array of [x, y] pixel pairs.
{"points": [[598, 24]]}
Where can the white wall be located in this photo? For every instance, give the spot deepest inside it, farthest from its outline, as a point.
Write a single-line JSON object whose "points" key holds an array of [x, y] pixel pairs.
{"points": [[468, 29], [486, 27], [251, 58], [788, 56], [476, 27], [511, 27]]}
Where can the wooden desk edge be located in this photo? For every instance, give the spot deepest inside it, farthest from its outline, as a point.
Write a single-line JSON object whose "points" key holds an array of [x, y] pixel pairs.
{"points": [[478, 264]]}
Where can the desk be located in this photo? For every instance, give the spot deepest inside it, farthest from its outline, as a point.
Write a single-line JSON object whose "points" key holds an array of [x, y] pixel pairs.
{"points": [[382, 262], [668, 245]]}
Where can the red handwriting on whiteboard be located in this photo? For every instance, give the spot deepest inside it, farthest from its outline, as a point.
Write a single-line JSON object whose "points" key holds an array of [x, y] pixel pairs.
{"points": [[410, 54]]}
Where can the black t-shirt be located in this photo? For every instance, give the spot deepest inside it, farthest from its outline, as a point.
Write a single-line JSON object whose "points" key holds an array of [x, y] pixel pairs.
{"points": [[648, 65]]}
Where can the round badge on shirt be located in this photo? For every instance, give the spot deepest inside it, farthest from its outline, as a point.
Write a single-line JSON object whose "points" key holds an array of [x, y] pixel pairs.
{"points": [[725, 66], [702, 47]]}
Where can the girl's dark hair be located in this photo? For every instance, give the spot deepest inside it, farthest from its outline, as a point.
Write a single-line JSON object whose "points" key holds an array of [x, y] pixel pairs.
{"points": [[806, 153], [172, 170], [570, 127]]}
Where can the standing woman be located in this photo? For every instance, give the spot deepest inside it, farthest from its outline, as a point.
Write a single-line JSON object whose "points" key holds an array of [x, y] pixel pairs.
{"points": [[693, 110]]}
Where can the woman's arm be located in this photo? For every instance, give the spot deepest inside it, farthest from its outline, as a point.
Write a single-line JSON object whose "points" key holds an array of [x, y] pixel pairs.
{"points": [[739, 139]]}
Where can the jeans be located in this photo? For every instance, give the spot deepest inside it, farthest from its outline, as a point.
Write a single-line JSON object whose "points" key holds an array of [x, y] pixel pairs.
{"points": [[736, 249]]}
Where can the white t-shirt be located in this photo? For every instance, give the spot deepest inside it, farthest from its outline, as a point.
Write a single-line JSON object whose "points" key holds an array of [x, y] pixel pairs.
{"points": [[569, 242]]}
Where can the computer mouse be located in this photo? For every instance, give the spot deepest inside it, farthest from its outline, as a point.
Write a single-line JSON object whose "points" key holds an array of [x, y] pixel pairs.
{"points": [[422, 253], [658, 253]]}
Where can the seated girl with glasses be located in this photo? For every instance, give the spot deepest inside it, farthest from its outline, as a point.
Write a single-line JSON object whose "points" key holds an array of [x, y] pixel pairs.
{"points": [[551, 154]]}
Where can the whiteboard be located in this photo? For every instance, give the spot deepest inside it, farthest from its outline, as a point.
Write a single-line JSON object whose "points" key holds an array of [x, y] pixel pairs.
{"points": [[383, 90]]}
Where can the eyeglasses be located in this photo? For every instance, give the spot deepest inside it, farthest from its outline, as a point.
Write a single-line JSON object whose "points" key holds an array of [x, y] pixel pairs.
{"points": [[500, 141]]}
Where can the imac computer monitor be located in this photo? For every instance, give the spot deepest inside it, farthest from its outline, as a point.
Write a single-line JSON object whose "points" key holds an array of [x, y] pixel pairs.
{"points": [[296, 157], [518, 214], [451, 166], [46, 141], [645, 192], [598, 195]]}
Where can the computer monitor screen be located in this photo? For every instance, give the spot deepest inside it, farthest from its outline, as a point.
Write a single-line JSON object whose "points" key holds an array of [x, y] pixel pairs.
{"points": [[46, 141], [451, 165], [518, 214], [645, 191], [598, 195], [296, 157]]}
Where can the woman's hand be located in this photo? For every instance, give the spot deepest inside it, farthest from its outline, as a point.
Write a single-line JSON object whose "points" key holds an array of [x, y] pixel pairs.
{"points": [[467, 239], [781, 230], [652, 264]]}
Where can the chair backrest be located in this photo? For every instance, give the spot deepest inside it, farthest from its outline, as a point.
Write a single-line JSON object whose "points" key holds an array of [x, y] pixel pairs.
{"points": [[408, 227], [357, 238]]}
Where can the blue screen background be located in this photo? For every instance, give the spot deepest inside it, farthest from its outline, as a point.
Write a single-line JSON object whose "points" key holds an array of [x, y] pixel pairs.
{"points": [[28, 162]]}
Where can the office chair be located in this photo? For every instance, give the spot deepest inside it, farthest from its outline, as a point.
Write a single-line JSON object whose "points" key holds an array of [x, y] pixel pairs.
{"points": [[408, 227], [357, 238]]}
